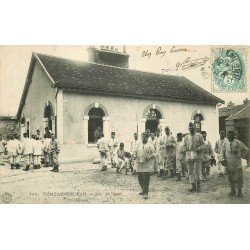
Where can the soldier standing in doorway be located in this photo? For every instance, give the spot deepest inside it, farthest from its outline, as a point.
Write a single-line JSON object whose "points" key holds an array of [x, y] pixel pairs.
{"points": [[97, 134]]}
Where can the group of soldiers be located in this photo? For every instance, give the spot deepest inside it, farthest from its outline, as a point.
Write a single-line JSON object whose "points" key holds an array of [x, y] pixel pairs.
{"points": [[191, 154], [33, 151]]}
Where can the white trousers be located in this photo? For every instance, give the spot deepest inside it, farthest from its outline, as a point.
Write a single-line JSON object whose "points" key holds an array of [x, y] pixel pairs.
{"points": [[37, 159]]}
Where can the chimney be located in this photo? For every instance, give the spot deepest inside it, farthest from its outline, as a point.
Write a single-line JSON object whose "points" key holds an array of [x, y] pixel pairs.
{"points": [[109, 55], [246, 102]]}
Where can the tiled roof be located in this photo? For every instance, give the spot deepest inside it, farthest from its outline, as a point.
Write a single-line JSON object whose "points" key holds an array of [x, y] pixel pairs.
{"points": [[97, 78], [242, 114]]}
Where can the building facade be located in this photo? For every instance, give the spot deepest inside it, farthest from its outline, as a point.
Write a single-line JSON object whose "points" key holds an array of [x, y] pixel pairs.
{"points": [[74, 98], [236, 118]]}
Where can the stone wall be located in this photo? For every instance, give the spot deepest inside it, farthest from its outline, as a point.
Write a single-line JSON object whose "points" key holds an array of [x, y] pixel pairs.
{"points": [[8, 125]]}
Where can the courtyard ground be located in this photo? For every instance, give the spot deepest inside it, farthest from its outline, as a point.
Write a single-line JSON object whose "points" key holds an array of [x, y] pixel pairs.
{"points": [[85, 183]]}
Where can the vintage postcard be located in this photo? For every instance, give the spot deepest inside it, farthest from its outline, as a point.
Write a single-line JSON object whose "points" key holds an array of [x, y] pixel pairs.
{"points": [[101, 124]]}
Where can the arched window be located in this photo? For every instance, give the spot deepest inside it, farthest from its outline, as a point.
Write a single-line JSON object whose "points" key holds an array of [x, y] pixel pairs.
{"points": [[153, 117], [197, 122], [95, 124]]}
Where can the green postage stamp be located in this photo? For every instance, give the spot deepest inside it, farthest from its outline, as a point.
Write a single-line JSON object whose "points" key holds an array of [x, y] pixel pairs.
{"points": [[229, 72]]}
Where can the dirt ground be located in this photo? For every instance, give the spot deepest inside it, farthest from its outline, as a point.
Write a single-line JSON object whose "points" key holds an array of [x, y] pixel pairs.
{"points": [[85, 183]]}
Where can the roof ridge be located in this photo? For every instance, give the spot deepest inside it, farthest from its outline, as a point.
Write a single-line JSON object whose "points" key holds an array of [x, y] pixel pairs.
{"points": [[110, 66], [241, 110]]}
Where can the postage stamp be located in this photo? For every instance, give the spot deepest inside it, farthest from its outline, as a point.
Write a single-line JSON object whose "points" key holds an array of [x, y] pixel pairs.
{"points": [[229, 70]]}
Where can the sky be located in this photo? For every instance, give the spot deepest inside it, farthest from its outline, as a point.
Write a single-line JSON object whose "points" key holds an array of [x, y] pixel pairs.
{"points": [[15, 60]]}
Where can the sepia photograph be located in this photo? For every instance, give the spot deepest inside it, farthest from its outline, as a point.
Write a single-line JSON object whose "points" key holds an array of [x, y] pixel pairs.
{"points": [[124, 124]]}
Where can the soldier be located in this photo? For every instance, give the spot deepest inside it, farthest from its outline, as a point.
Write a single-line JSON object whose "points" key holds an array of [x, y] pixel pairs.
{"points": [[19, 149], [102, 146], [194, 145], [208, 154], [112, 144], [12, 152], [54, 150], [143, 155], [47, 131], [153, 141], [180, 157], [217, 149], [123, 160], [134, 144], [97, 134], [168, 153], [37, 153], [33, 141], [46, 143], [27, 151], [38, 134], [231, 153], [159, 153], [2, 149]]}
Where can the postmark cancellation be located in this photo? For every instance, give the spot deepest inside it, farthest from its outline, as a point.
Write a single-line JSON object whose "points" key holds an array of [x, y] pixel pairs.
{"points": [[229, 69]]}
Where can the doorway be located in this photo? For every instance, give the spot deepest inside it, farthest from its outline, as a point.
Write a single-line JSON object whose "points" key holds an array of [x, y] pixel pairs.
{"points": [[153, 120], [48, 113], [95, 124], [198, 118]]}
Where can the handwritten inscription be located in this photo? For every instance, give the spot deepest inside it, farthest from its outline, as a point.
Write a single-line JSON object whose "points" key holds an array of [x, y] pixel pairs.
{"points": [[161, 52], [146, 53], [188, 63], [174, 49]]}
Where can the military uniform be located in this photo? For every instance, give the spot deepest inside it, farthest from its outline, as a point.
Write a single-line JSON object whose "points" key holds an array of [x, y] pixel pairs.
{"points": [[37, 153], [134, 145], [2, 150], [193, 157], [46, 143], [112, 144], [217, 149], [12, 152], [208, 153], [155, 160], [102, 146], [231, 153], [19, 149], [54, 150], [144, 165], [27, 152], [180, 157], [168, 146], [120, 158]]}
